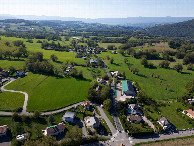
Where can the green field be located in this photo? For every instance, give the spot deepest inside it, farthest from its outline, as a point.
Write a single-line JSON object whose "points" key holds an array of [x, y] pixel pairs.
{"points": [[105, 45], [36, 47], [151, 85], [50, 93], [10, 101]]}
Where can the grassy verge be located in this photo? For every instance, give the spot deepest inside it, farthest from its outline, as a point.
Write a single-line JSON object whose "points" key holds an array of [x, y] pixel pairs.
{"points": [[109, 117]]}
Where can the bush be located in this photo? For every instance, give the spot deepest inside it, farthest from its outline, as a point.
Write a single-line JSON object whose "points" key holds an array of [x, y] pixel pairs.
{"points": [[178, 67], [164, 64], [107, 104]]}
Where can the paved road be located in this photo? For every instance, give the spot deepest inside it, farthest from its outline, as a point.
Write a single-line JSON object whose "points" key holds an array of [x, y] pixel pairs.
{"points": [[5, 141], [60, 110], [132, 141], [103, 115], [116, 119], [25, 101], [180, 133]]}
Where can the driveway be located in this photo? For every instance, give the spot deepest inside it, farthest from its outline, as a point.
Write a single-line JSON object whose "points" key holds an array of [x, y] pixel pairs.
{"points": [[149, 123]]}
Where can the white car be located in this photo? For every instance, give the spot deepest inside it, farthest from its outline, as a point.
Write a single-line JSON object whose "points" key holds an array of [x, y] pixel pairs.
{"points": [[20, 137]]}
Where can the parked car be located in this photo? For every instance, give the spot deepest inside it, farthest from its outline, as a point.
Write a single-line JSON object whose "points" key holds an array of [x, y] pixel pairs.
{"points": [[20, 137]]}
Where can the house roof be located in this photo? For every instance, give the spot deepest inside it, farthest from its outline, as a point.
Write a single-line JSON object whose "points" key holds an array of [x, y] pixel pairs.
{"points": [[164, 121], [69, 115], [190, 111], [91, 121], [133, 106], [134, 118], [3, 129], [124, 86], [55, 128], [100, 80], [20, 70], [93, 61], [87, 103]]}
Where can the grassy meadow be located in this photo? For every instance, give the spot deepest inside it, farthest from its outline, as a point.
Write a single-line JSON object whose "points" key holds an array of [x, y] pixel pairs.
{"points": [[50, 93], [10, 101]]}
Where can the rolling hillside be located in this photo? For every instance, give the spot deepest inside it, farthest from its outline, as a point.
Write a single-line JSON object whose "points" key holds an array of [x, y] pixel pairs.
{"points": [[182, 29]]}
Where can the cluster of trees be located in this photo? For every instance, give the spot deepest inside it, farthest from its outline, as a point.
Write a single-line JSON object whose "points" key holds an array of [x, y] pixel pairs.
{"points": [[98, 96], [37, 64], [54, 46], [150, 54], [21, 52], [182, 29]]}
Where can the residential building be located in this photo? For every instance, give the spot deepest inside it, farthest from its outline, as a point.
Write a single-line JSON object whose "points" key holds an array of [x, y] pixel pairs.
{"points": [[101, 81], [191, 101], [4, 73], [20, 73], [189, 113], [87, 105], [134, 118], [54, 130], [3, 130], [49, 48], [117, 73], [127, 89], [92, 61], [92, 122], [133, 109], [164, 123], [69, 117], [69, 67]]}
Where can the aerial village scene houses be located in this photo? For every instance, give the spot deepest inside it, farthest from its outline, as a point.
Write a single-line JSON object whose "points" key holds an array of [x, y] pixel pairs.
{"points": [[97, 73]]}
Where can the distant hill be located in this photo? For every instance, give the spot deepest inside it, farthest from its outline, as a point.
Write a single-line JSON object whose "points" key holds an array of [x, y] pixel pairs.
{"points": [[129, 21], [182, 29]]}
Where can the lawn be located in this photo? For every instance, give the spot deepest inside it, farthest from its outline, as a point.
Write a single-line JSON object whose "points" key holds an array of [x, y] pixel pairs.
{"points": [[154, 87], [10, 101], [50, 93], [171, 114]]}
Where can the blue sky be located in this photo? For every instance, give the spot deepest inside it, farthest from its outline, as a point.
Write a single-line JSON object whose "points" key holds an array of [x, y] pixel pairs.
{"points": [[99, 8]]}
